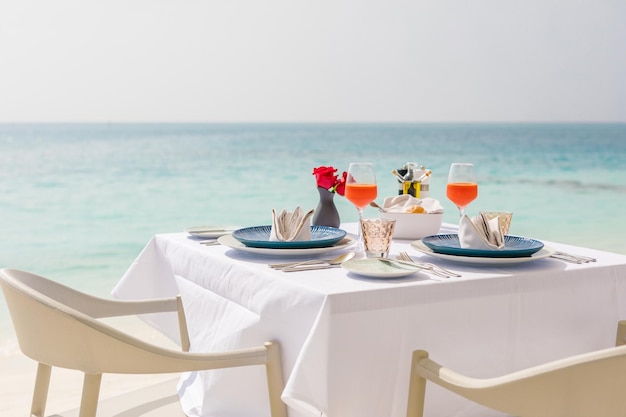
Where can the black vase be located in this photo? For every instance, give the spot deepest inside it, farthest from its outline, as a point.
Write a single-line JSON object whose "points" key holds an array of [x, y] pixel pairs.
{"points": [[326, 213]]}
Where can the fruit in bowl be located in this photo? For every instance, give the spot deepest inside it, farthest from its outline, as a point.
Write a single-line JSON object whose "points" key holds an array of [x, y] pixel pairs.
{"points": [[415, 218]]}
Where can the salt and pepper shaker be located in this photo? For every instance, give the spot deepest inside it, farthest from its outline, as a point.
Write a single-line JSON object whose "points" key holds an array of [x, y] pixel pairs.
{"points": [[422, 176], [415, 180], [406, 172]]}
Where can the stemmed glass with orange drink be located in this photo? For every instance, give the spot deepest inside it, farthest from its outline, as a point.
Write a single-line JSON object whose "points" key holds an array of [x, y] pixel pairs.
{"points": [[361, 188], [462, 186]]}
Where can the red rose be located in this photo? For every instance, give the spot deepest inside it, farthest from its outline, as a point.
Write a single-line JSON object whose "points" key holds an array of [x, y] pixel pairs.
{"points": [[341, 184], [327, 179]]}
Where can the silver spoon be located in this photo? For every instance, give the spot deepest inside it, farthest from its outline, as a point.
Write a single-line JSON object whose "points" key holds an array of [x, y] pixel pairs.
{"points": [[374, 204], [315, 264]]}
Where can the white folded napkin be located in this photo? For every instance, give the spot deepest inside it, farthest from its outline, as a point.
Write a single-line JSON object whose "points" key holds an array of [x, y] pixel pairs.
{"points": [[480, 233], [405, 203], [289, 227]]}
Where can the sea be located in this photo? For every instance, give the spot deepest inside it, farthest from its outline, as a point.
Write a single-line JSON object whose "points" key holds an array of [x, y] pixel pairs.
{"points": [[78, 202]]}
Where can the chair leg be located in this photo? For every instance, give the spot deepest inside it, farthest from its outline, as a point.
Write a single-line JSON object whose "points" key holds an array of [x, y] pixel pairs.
{"points": [[621, 333], [275, 382], [182, 325], [40, 395], [91, 392], [417, 387]]}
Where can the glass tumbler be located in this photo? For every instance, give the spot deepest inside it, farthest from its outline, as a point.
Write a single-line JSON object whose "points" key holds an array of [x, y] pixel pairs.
{"points": [[377, 236]]}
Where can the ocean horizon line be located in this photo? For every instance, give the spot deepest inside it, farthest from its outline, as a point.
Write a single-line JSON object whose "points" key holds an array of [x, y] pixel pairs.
{"points": [[321, 123]]}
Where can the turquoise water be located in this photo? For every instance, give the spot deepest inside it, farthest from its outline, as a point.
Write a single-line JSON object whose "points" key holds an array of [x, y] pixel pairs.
{"points": [[79, 201]]}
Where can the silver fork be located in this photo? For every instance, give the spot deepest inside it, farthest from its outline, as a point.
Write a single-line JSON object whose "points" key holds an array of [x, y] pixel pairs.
{"points": [[568, 257], [435, 268], [426, 268]]}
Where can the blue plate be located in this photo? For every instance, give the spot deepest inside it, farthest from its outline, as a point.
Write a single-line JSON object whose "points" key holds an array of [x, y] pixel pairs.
{"points": [[259, 237], [514, 247]]}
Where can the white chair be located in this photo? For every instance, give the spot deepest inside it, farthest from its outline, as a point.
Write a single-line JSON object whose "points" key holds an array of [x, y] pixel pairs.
{"points": [[57, 326], [590, 384]]}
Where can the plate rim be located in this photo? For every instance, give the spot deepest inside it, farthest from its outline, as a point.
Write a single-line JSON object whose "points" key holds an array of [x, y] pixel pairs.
{"points": [[399, 274], [300, 244], [231, 242], [516, 253], [543, 253]]}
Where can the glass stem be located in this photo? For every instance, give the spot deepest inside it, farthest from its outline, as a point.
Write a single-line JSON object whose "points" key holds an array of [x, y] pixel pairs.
{"points": [[360, 231]]}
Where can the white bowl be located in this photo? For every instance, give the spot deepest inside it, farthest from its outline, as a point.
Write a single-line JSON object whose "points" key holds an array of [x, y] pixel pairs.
{"points": [[414, 225]]}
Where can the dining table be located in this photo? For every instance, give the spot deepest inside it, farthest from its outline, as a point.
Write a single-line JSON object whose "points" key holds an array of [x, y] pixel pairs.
{"points": [[346, 338]]}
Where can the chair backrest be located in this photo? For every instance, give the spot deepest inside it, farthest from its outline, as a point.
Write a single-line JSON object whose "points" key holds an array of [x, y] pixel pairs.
{"points": [[591, 384], [51, 329]]}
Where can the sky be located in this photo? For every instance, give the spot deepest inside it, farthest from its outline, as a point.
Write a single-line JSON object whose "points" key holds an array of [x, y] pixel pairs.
{"points": [[312, 61]]}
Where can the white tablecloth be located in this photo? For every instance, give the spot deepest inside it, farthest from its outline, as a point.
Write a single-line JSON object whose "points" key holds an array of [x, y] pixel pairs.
{"points": [[347, 340]]}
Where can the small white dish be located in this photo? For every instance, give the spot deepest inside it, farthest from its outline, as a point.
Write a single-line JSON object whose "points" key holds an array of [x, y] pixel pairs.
{"points": [[379, 268], [209, 231], [545, 252], [231, 242]]}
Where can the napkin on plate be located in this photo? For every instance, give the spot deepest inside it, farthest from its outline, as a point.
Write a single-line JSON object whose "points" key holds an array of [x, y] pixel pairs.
{"points": [[291, 226], [480, 233], [406, 203]]}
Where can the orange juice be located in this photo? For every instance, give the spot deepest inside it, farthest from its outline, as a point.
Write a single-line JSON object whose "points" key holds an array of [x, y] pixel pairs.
{"points": [[361, 194], [462, 193]]}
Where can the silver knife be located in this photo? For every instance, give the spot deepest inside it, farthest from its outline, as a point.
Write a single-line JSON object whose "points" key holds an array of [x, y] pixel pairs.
{"points": [[296, 268]]}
